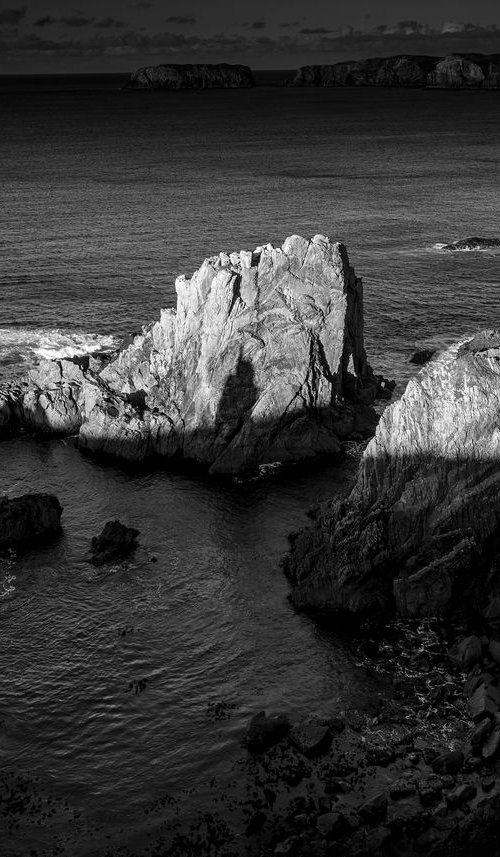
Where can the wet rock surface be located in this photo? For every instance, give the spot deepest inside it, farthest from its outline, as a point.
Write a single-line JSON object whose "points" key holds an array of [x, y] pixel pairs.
{"points": [[115, 542], [28, 519]]}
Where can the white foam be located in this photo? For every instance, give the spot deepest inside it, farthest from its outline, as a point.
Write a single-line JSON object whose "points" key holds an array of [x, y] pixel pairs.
{"points": [[23, 345]]}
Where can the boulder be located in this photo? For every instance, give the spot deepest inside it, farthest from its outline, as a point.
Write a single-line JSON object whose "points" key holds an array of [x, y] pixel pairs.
{"points": [[474, 243], [467, 652], [484, 702], [191, 76], [420, 530], [263, 731], [27, 519], [449, 762], [311, 736], [115, 542], [491, 746], [423, 356]]}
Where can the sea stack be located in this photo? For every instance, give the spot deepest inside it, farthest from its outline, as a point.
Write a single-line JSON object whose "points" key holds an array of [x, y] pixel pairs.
{"points": [[262, 361], [189, 76], [420, 532]]}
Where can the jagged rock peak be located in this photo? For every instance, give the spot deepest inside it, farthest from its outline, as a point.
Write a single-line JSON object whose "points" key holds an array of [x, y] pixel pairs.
{"points": [[420, 531], [263, 360], [191, 76]]}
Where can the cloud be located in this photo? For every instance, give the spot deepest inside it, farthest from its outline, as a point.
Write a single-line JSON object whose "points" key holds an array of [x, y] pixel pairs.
{"points": [[316, 31], [12, 16], [47, 19], [290, 24], [105, 23], [258, 25], [76, 21], [181, 19]]}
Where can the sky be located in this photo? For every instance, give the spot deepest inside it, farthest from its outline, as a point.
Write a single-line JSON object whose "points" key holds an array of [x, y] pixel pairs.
{"points": [[52, 36]]}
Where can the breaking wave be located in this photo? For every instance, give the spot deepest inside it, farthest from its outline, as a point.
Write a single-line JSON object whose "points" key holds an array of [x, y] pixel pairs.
{"points": [[21, 348]]}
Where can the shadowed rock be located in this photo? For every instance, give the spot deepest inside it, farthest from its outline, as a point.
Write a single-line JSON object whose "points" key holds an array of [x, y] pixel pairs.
{"points": [[265, 731], [468, 71], [27, 519], [420, 531], [115, 542], [191, 76]]}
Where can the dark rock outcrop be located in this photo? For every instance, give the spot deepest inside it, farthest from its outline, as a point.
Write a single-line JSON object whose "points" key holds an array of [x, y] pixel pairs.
{"points": [[262, 361], [264, 731], [189, 76], [28, 519], [115, 542], [468, 71], [474, 243], [420, 531]]}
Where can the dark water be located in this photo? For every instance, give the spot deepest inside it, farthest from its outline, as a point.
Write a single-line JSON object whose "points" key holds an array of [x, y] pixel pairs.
{"points": [[107, 196]]}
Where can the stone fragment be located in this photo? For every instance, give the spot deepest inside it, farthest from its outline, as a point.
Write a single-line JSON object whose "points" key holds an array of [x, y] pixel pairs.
{"points": [[492, 745], [494, 651], [311, 736], [264, 732], [430, 789], [449, 762], [331, 825], [484, 702], [374, 809], [115, 542], [466, 652], [462, 794]]}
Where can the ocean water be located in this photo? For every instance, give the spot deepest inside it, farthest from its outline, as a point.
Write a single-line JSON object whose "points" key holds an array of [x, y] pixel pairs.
{"points": [[106, 197]]}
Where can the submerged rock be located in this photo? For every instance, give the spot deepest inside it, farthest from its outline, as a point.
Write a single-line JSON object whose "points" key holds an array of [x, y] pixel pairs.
{"points": [[115, 542], [265, 731], [262, 361], [190, 76], [29, 518], [420, 531]]}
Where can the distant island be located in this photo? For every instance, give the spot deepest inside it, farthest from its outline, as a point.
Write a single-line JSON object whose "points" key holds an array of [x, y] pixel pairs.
{"points": [[219, 76], [466, 71]]}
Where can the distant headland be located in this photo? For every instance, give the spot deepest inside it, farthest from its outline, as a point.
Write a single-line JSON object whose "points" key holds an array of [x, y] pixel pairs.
{"points": [[465, 71], [219, 76]]}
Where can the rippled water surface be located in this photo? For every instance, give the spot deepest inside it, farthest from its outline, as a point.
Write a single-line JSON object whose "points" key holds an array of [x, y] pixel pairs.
{"points": [[107, 196]]}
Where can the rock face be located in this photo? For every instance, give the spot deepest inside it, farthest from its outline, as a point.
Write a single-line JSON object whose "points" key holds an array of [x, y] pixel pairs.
{"points": [[421, 529], [220, 76], [470, 71], [30, 518], [262, 361]]}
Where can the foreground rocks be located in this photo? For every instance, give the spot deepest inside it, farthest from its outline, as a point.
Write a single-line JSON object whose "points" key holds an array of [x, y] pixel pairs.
{"points": [[189, 76], [28, 519], [420, 531], [115, 542], [469, 71], [262, 361]]}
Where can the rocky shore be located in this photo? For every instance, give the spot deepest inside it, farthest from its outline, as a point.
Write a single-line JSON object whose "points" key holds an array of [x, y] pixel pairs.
{"points": [[191, 76], [467, 71], [262, 361]]}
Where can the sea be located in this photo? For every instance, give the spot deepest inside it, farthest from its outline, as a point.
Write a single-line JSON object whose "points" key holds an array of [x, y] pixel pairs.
{"points": [[125, 690]]}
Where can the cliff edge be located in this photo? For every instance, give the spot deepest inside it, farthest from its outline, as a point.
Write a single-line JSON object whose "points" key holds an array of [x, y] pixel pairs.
{"points": [[420, 532]]}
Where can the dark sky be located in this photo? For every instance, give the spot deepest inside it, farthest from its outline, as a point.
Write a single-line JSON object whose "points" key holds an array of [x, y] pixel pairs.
{"points": [[111, 35]]}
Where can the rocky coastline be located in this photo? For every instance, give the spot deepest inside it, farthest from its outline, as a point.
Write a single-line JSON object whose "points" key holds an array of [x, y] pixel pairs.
{"points": [[191, 76], [457, 71], [263, 360]]}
